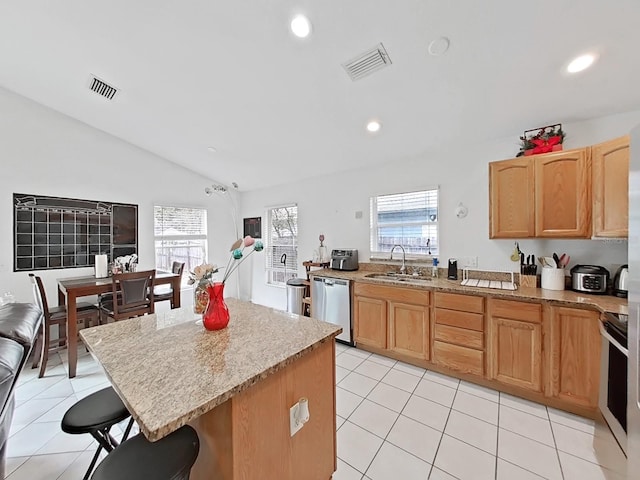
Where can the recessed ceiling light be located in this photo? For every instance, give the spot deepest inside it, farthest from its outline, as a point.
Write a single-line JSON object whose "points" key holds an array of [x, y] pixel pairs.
{"points": [[212, 149], [374, 126], [301, 26], [581, 63]]}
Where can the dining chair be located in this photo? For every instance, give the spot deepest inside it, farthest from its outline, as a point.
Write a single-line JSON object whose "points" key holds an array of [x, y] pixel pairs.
{"points": [[57, 316], [133, 293], [165, 292]]}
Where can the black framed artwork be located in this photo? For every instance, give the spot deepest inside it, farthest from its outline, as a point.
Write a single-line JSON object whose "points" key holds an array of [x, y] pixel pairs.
{"points": [[253, 227], [54, 232]]}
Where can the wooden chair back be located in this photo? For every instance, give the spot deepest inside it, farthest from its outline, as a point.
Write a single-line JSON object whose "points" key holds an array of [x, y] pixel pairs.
{"points": [[40, 297], [177, 267], [134, 291]]}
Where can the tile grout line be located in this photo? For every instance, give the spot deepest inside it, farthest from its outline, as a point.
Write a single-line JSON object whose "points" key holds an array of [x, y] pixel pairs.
{"points": [[555, 444], [497, 437], [435, 456], [394, 423]]}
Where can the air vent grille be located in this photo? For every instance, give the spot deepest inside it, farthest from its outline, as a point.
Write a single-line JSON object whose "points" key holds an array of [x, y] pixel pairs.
{"points": [[367, 63], [102, 88]]}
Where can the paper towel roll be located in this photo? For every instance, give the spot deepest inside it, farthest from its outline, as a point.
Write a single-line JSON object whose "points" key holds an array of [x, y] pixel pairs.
{"points": [[101, 266]]}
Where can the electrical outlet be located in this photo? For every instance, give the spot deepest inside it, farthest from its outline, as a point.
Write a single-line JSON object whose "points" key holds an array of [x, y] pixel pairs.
{"points": [[294, 423], [469, 262]]}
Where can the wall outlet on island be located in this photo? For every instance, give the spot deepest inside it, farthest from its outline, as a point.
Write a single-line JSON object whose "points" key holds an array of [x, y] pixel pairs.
{"points": [[468, 262]]}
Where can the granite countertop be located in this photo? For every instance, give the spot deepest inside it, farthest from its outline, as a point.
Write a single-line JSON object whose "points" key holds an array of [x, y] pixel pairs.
{"points": [[169, 370], [603, 303]]}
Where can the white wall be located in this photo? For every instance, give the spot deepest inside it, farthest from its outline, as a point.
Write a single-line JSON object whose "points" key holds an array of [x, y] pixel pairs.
{"points": [[46, 153], [328, 204]]}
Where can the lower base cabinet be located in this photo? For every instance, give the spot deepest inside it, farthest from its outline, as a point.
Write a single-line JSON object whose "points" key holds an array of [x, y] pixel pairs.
{"points": [[515, 343], [575, 355], [392, 318], [548, 353], [409, 329]]}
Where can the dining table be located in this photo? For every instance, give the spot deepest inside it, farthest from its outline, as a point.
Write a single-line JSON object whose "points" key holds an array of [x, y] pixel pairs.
{"points": [[69, 289]]}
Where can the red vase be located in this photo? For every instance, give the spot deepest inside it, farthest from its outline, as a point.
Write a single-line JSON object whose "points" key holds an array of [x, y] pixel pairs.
{"points": [[216, 316]]}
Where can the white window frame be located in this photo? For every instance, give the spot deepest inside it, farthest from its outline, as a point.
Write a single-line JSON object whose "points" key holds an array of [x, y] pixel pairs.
{"points": [[291, 265], [378, 254], [185, 237]]}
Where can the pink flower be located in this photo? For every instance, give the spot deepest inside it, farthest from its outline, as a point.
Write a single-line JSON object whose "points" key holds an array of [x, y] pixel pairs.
{"points": [[249, 240]]}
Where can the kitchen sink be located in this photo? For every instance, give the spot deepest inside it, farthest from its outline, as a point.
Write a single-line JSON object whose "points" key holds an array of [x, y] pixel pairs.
{"points": [[399, 277]]}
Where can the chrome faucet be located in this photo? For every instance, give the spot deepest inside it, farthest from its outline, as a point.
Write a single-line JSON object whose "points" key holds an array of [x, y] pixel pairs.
{"points": [[403, 268]]}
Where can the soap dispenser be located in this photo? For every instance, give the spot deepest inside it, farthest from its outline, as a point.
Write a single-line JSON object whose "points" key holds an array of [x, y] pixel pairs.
{"points": [[434, 268]]}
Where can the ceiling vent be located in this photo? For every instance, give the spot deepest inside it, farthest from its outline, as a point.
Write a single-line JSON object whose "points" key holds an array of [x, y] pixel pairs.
{"points": [[367, 62], [102, 88]]}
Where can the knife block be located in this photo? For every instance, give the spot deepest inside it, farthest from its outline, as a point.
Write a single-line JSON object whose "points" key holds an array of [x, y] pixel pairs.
{"points": [[528, 281]]}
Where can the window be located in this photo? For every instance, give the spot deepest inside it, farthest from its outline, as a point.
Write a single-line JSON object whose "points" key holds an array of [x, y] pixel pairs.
{"points": [[180, 236], [407, 219], [282, 244]]}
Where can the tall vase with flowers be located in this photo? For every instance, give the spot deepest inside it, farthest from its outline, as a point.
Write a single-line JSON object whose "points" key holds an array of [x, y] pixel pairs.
{"points": [[201, 277], [216, 316]]}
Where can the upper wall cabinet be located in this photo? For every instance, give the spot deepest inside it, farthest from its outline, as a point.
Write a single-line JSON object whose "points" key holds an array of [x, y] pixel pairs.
{"points": [[541, 196], [610, 162], [563, 194], [511, 199]]}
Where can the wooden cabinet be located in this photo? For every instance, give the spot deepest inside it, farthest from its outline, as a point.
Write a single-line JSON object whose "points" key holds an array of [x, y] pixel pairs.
{"points": [[563, 194], [392, 318], [458, 334], [541, 196], [610, 164], [515, 343], [370, 321], [511, 202], [575, 355], [409, 329]]}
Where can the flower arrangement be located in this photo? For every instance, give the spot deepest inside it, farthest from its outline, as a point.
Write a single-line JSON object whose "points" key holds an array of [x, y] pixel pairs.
{"points": [[202, 274], [542, 140], [237, 253]]}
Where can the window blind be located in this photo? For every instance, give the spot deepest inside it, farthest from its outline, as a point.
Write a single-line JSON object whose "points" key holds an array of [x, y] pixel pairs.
{"points": [[408, 219], [180, 236], [282, 239]]}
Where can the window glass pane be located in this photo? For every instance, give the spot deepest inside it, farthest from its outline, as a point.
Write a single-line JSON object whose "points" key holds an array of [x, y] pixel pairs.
{"points": [[407, 219], [282, 244], [180, 236]]}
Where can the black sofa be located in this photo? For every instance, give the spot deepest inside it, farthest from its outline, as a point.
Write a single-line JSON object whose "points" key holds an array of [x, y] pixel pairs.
{"points": [[19, 327]]}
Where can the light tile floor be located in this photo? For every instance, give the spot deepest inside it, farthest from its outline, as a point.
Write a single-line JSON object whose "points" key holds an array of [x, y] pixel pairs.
{"points": [[395, 421]]}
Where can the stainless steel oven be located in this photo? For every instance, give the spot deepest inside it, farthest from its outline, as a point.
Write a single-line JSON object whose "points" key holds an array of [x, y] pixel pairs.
{"points": [[613, 375]]}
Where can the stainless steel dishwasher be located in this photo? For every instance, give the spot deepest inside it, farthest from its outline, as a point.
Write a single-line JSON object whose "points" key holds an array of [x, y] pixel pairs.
{"points": [[331, 302]]}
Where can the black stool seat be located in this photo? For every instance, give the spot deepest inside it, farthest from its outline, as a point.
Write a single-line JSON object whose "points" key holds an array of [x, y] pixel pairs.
{"points": [[95, 412], [170, 458]]}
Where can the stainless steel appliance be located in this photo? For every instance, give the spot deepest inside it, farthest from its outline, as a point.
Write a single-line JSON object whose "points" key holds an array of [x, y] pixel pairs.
{"points": [[613, 375], [331, 302], [345, 259], [621, 282], [633, 398], [589, 279]]}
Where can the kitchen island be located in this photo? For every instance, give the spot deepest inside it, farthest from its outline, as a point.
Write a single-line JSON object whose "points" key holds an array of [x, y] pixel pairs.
{"points": [[234, 386]]}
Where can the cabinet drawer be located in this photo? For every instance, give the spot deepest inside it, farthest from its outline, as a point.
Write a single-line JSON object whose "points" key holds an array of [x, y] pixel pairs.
{"points": [[459, 336], [464, 303], [463, 359], [414, 296], [527, 312], [471, 321]]}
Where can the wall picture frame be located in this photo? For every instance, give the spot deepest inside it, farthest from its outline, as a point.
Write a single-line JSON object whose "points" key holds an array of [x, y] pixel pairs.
{"points": [[253, 227]]}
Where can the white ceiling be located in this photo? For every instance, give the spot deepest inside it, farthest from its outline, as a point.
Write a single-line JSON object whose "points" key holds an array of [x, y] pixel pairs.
{"points": [[279, 109]]}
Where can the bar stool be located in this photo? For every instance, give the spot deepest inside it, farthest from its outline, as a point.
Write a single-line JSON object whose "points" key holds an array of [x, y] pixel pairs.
{"points": [[170, 458], [96, 414]]}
